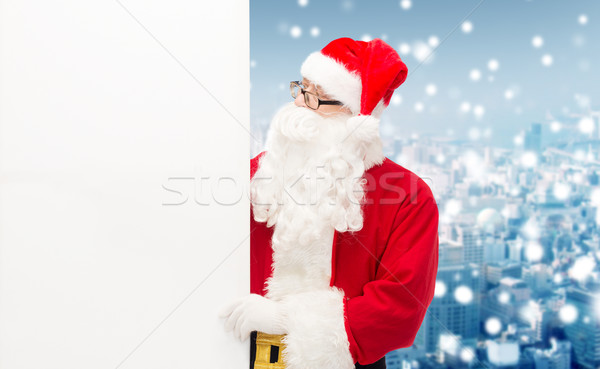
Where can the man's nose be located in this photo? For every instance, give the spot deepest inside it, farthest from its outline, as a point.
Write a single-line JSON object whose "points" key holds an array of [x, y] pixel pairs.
{"points": [[299, 101]]}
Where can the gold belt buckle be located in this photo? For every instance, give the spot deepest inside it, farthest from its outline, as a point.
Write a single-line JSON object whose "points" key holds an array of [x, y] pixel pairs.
{"points": [[265, 344]]}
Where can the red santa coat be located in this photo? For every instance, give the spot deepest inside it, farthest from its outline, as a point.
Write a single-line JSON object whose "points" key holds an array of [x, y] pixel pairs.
{"points": [[386, 271]]}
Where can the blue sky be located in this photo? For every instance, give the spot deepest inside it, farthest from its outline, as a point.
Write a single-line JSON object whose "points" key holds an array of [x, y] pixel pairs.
{"points": [[558, 77]]}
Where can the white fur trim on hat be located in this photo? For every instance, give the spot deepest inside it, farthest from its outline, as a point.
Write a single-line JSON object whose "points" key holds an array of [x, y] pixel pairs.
{"points": [[316, 335], [334, 78]]}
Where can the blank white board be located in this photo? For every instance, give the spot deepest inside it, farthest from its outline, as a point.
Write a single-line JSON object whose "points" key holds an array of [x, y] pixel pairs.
{"points": [[124, 162]]}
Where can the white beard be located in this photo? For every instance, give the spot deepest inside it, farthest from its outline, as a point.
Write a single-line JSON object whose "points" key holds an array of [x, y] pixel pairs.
{"points": [[309, 183]]}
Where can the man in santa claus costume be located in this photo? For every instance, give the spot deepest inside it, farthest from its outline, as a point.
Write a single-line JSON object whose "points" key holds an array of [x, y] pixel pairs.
{"points": [[344, 242]]}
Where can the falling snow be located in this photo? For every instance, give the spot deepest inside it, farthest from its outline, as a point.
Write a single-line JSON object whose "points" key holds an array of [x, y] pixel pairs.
{"points": [[528, 159], [478, 110], [295, 31], [561, 191], [431, 89], [467, 354], [475, 74], [396, 99], [568, 314], [504, 297], [463, 295], [440, 289], [433, 41], [466, 27], [422, 52], [465, 107], [474, 134], [404, 48], [537, 41], [518, 141], [405, 4], [582, 268], [547, 60], [586, 125], [493, 326], [453, 207], [534, 251], [595, 197]]}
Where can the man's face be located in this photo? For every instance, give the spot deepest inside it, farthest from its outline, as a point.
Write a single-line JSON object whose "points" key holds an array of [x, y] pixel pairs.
{"points": [[323, 110]]}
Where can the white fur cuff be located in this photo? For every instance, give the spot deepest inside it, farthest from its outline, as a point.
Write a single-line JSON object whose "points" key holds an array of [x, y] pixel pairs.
{"points": [[316, 335]]}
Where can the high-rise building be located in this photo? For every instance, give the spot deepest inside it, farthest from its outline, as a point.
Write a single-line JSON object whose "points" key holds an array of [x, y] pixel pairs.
{"points": [[584, 331], [506, 302], [494, 272], [454, 310], [533, 138], [556, 357], [538, 276]]}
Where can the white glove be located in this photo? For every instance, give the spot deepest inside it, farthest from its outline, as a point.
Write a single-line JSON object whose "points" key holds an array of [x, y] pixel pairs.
{"points": [[254, 313]]}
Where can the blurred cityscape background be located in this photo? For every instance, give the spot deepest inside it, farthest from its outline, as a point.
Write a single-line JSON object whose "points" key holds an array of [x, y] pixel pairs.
{"points": [[500, 115]]}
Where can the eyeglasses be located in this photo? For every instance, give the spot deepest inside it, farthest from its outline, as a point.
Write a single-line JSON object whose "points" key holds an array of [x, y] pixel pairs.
{"points": [[310, 99]]}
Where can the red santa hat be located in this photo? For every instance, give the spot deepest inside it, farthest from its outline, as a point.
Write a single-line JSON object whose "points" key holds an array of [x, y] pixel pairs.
{"points": [[363, 75]]}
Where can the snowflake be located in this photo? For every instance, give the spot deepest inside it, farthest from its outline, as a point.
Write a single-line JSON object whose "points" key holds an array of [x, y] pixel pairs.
{"points": [[547, 60], [561, 191], [537, 41], [466, 26], [474, 134], [586, 125], [422, 52], [440, 289], [475, 74], [567, 313], [431, 89], [463, 294], [404, 48], [453, 207], [296, 31], [433, 41], [465, 107], [529, 159], [534, 251], [478, 110], [493, 325]]}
